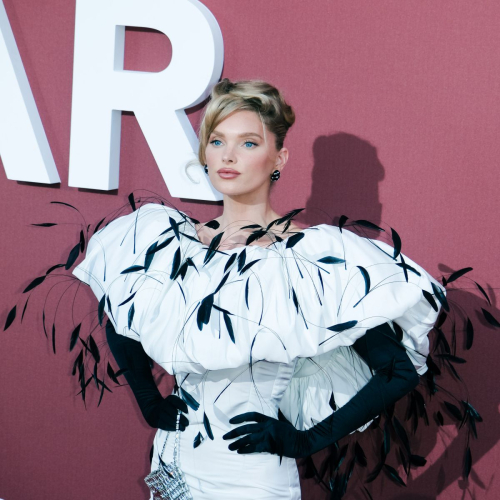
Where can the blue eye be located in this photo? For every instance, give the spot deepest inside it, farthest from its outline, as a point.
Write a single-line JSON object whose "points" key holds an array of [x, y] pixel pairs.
{"points": [[250, 142], [215, 140]]}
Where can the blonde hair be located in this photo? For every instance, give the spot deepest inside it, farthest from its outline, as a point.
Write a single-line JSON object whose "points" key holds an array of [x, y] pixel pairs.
{"points": [[253, 95]]}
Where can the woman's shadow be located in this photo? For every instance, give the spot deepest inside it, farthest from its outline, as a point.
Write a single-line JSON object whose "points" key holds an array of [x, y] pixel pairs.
{"points": [[346, 177]]}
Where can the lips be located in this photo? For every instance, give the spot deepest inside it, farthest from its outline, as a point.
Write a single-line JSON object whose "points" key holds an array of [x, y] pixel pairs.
{"points": [[227, 171]]}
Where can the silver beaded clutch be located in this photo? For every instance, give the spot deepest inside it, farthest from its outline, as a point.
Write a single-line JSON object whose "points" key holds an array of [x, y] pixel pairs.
{"points": [[168, 481]]}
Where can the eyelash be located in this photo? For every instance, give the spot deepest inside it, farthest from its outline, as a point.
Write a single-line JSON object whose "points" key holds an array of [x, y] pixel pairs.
{"points": [[246, 142]]}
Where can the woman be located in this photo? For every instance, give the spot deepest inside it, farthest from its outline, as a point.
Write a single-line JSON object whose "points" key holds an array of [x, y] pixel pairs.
{"points": [[266, 326]]}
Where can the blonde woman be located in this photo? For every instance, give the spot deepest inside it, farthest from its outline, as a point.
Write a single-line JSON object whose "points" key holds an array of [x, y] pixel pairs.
{"points": [[282, 339]]}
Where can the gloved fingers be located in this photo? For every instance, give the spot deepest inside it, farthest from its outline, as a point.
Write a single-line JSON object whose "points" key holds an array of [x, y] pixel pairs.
{"points": [[241, 443], [242, 429], [177, 402], [167, 422], [249, 416], [183, 422], [251, 448]]}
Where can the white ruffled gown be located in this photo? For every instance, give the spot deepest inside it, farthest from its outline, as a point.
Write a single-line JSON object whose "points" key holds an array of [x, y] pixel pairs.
{"points": [[277, 309]]}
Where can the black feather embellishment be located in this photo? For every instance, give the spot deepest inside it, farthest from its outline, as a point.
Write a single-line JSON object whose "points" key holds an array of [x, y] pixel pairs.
{"points": [[206, 423], [490, 318], [229, 326], [98, 225], [430, 299], [249, 265], [100, 309], [366, 277], [10, 317], [397, 243], [394, 476], [221, 284], [340, 327], [441, 297], [469, 329], [54, 337], [458, 273], [150, 253], [360, 455], [472, 411], [73, 255], [175, 227], [439, 418], [368, 224], [94, 350], [481, 289], [132, 269], [198, 440], [242, 259], [204, 311], [52, 268], [132, 201], [406, 267], [189, 400], [467, 463], [35, 283], [127, 300], [112, 375], [417, 460], [454, 410], [343, 219], [24, 309], [293, 240], [230, 261], [75, 335], [401, 433], [176, 263], [342, 455], [213, 224], [451, 357], [131, 313], [331, 260], [255, 236]]}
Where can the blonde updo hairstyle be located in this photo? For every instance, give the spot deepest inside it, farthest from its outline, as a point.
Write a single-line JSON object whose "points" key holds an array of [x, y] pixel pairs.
{"points": [[253, 95]]}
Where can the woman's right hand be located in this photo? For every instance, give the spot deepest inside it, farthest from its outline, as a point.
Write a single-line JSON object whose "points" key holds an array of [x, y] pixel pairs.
{"points": [[163, 414]]}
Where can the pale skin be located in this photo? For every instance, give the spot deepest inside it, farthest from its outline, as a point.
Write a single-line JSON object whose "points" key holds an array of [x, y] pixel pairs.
{"points": [[242, 143]]}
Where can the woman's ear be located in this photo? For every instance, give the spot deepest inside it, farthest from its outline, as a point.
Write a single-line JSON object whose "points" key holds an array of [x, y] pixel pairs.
{"points": [[281, 158]]}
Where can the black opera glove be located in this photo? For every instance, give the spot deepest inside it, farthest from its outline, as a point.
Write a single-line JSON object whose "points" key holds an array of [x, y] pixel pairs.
{"points": [[159, 412], [394, 377]]}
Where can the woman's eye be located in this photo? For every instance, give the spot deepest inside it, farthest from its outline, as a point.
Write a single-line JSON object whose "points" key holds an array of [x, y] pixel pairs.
{"points": [[215, 140], [250, 142]]}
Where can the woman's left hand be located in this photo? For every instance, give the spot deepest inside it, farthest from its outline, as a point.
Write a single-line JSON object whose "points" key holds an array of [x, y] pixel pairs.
{"points": [[267, 435]]}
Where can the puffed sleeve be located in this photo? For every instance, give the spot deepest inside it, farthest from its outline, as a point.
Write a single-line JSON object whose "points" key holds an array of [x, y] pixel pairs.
{"points": [[376, 288], [120, 269]]}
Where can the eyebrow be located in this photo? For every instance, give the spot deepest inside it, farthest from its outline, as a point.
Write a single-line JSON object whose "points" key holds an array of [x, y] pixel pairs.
{"points": [[245, 134]]}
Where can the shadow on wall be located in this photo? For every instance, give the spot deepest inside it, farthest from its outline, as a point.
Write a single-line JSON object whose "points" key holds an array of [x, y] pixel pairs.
{"points": [[346, 177]]}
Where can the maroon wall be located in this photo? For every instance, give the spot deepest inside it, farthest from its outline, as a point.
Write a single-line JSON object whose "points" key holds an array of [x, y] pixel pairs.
{"points": [[397, 120]]}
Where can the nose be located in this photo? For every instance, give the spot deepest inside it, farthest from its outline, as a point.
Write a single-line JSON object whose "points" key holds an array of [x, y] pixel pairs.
{"points": [[228, 156]]}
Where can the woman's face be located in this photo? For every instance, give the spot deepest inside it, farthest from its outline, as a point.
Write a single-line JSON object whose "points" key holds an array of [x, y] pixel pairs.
{"points": [[238, 143]]}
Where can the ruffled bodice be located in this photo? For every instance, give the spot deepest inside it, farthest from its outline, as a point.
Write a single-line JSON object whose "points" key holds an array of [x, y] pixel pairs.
{"points": [[274, 303]]}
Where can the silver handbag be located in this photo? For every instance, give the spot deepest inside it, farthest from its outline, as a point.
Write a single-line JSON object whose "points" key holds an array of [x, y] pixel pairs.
{"points": [[168, 481]]}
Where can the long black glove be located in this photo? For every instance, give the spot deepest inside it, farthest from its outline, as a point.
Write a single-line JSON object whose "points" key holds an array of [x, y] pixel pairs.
{"points": [[394, 377], [159, 412]]}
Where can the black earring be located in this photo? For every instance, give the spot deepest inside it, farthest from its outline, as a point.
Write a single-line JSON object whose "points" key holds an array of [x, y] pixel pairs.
{"points": [[206, 169], [275, 175]]}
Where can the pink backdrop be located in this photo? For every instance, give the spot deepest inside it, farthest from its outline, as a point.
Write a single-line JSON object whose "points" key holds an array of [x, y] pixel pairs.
{"points": [[397, 120]]}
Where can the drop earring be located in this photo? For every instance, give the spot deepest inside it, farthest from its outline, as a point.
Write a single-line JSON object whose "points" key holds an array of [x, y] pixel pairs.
{"points": [[206, 169], [275, 175]]}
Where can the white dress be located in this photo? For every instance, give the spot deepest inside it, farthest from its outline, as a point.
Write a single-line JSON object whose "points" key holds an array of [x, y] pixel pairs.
{"points": [[253, 329]]}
